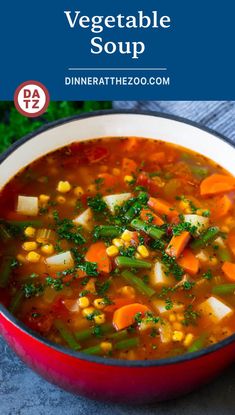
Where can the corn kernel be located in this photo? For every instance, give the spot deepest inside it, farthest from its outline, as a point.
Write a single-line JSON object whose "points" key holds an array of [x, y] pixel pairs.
{"points": [[112, 250], [116, 172], [91, 188], [29, 246], [63, 186], [47, 249], [106, 346], [127, 236], [78, 191], [61, 200], [44, 198], [188, 339], [87, 311], [118, 242], [84, 302], [99, 319], [33, 257], [143, 251], [184, 205], [128, 179], [177, 325], [128, 291], [172, 318], [99, 303], [137, 255], [177, 336], [30, 232], [21, 258]]}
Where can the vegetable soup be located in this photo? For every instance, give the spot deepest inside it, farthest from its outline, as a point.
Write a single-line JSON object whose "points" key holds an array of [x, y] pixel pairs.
{"points": [[121, 247]]}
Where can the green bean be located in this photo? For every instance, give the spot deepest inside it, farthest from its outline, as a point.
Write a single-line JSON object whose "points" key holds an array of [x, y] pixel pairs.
{"points": [[198, 344], [15, 301], [66, 334], [223, 289], [224, 255], [119, 335], [127, 344], [93, 350], [150, 230], [133, 211], [105, 231], [121, 345], [127, 262], [206, 237], [138, 283], [5, 272], [88, 333], [23, 224]]}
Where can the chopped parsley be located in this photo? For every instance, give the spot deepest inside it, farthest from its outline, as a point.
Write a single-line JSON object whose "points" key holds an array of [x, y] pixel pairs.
{"points": [[169, 304], [32, 290], [102, 288], [90, 268], [66, 229], [97, 204], [207, 275], [188, 285], [190, 316], [183, 226], [172, 266], [56, 283]]}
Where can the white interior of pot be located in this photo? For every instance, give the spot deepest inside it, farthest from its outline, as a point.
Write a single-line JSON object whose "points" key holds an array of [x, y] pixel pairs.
{"points": [[117, 125]]}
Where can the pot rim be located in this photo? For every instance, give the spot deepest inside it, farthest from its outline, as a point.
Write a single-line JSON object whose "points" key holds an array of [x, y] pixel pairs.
{"points": [[98, 359]]}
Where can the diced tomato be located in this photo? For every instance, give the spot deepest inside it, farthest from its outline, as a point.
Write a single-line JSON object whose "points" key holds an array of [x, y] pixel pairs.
{"points": [[39, 322], [143, 180], [59, 310]]}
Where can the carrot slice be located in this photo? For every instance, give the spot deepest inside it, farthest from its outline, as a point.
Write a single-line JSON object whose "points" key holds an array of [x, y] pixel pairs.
{"points": [[217, 183], [189, 262], [128, 166], [229, 270], [97, 253], [162, 207], [108, 180], [231, 241], [147, 214], [223, 205], [177, 244], [125, 316]]}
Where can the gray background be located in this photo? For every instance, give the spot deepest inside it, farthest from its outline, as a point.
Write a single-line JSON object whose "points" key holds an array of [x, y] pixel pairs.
{"points": [[22, 392]]}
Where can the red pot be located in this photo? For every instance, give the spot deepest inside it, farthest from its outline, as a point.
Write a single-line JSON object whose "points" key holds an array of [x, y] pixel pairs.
{"points": [[97, 377]]}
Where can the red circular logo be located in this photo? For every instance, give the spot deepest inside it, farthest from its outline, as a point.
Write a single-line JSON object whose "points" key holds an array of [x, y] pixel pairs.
{"points": [[31, 98]]}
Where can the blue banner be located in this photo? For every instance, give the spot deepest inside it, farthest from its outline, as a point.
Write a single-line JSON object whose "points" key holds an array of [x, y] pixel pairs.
{"points": [[85, 50]]}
